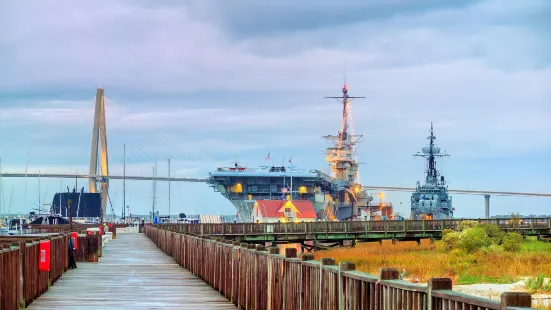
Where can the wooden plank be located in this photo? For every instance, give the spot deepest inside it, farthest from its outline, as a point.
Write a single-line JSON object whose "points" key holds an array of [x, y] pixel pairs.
{"points": [[132, 274]]}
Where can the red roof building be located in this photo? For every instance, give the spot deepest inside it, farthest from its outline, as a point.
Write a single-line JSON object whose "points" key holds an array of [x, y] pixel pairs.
{"points": [[273, 211]]}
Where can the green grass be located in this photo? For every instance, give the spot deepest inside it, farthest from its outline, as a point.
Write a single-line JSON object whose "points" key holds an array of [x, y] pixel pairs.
{"points": [[466, 280], [538, 284], [531, 244]]}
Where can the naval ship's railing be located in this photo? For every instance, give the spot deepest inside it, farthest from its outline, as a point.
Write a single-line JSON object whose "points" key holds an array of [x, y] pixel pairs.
{"points": [[402, 229], [254, 277]]}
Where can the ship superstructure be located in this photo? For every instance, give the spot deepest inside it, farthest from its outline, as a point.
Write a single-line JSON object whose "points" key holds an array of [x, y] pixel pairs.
{"points": [[431, 199], [342, 158]]}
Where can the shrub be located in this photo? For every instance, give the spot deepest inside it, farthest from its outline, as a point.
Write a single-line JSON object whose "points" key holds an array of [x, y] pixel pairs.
{"points": [[464, 225], [440, 246], [494, 232], [512, 242], [473, 239], [449, 239]]}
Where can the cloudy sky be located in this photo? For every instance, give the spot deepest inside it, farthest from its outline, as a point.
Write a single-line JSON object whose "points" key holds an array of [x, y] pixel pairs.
{"points": [[207, 82]]}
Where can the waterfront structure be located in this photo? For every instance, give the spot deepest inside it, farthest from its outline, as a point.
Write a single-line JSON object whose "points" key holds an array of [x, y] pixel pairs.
{"points": [[283, 211]]}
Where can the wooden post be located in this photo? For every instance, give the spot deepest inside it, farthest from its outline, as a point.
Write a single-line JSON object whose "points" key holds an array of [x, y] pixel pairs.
{"points": [[289, 253], [271, 251], [326, 261], [69, 203], [380, 291], [515, 299], [437, 284], [303, 257], [22, 246], [343, 266]]}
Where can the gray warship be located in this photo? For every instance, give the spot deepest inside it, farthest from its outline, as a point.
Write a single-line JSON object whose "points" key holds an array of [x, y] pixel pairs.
{"points": [[431, 199]]}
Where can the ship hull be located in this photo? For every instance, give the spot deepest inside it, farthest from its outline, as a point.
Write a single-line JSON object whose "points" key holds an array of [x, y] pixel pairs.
{"points": [[435, 204]]}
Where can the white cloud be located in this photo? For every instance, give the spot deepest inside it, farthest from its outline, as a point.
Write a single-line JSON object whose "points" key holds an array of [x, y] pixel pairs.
{"points": [[480, 72]]}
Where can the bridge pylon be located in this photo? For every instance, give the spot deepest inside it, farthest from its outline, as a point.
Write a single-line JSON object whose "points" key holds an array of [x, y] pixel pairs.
{"points": [[99, 149]]}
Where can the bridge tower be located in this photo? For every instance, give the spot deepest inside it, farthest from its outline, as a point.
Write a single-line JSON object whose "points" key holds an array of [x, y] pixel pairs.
{"points": [[99, 148]]}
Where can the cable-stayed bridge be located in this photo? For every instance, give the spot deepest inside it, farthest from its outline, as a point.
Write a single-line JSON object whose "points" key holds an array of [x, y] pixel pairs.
{"points": [[98, 178], [99, 175]]}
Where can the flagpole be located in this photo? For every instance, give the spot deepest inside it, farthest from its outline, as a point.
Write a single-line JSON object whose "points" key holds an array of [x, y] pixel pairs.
{"points": [[291, 172]]}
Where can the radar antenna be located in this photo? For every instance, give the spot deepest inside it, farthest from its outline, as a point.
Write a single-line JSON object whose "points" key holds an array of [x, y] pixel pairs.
{"points": [[345, 100], [431, 153]]}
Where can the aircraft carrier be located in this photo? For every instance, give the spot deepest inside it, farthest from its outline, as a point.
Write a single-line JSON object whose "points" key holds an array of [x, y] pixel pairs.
{"points": [[335, 196]]}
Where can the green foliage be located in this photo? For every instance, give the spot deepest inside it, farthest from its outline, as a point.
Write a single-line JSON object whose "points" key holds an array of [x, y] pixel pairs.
{"points": [[473, 239], [494, 232], [447, 231], [466, 280], [515, 220], [512, 242], [440, 246], [531, 244], [464, 225], [538, 284], [449, 239]]}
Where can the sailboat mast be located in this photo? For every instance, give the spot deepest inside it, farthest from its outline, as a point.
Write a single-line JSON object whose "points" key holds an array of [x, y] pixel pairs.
{"points": [[1, 190], [169, 189], [154, 190], [39, 202], [155, 186], [26, 171], [124, 185]]}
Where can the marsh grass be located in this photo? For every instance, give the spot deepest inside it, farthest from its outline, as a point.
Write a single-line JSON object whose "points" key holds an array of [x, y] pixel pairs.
{"points": [[424, 261]]}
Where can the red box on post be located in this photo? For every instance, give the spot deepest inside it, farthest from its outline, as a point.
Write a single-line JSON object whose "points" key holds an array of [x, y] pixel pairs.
{"points": [[74, 234], [44, 259]]}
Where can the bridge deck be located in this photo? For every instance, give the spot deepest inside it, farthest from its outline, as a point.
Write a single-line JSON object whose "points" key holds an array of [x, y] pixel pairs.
{"points": [[132, 274]]}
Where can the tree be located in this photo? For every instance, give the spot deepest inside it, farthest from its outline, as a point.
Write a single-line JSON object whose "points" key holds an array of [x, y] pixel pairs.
{"points": [[515, 220]]}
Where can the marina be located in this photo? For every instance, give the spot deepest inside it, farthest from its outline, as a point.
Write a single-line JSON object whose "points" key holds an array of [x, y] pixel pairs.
{"points": [[257, 155]]}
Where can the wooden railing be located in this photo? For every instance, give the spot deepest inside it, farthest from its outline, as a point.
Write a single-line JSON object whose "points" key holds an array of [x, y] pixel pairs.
{"points": [[406, 229], [40, 229], [253, 277], [21, 280]]}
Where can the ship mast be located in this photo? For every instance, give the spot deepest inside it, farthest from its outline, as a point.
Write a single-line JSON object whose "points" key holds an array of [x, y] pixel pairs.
{"points": [[431, 153], [342, 155]]}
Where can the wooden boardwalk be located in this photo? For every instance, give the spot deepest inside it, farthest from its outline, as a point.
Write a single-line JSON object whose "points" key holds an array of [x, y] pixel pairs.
{"points": [[132, 274]]}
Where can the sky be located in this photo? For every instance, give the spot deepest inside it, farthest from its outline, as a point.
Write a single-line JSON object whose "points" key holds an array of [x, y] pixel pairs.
{"points": [[207, 82]]}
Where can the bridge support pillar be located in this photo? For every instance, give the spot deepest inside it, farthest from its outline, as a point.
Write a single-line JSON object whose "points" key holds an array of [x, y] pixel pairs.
{"points": [[99, 153], [487, 206]]}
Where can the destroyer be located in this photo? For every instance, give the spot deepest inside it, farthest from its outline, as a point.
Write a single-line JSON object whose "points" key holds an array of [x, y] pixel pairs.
{"points": [[431, 200]]}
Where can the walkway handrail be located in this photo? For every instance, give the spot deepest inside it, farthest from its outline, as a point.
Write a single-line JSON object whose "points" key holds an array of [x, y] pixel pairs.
{"points": [[21, 280], [420, 227], [254, 277]]}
